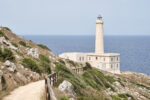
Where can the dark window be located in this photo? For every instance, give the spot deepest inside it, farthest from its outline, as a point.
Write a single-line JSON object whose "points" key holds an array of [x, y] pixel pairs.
{"points": [[96, 58]]}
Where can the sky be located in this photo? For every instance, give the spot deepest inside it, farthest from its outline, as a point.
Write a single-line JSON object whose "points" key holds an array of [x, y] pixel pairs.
{"points": [[75, 17]]}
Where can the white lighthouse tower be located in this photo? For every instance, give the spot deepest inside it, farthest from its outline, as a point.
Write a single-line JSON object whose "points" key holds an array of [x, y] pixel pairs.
{"points": [[99, 42], [104, 61]]}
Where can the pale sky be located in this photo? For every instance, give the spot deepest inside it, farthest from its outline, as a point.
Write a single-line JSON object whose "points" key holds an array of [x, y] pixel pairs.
{"points": [[75, 17]]}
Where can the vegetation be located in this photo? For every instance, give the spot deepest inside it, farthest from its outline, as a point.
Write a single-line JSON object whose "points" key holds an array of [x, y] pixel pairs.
{"points": [[72, 62], [44, 47], [22, 43], [122, 97], [14, 44], [98, 80], [4, 90], [87, 66], [29, 63], [143, 86], [7, 28], [6, 54], [80, 86], [64, 98], [2, 34], [42, 66], [45, 64]]}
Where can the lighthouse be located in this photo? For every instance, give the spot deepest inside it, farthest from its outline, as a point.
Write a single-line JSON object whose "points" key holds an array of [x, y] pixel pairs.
{"points": [[99, 42], [104, 61]]}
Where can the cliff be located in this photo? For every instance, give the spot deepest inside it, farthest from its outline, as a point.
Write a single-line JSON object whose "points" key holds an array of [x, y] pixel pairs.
{"points": [[22, 61]]}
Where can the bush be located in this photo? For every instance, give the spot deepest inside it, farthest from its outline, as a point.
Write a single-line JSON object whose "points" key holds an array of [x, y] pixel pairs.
{"points": [[97, 80], [14, 44], [64, 98], [22, 43], [87, 66], [66, 74], [43, 46], [45, 64], [29, 63], [2, 34], [7, 28], [6, 54]]}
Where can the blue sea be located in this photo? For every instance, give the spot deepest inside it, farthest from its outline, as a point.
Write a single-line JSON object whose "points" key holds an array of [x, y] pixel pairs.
{"points": [[134, 50]]}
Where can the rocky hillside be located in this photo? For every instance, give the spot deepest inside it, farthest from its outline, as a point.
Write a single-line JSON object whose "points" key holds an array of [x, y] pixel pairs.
{"points": [[94, 84], [22, 61]]}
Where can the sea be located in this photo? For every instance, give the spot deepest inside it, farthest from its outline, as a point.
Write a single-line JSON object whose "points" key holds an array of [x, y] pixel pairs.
{"points": [[134, 50]]}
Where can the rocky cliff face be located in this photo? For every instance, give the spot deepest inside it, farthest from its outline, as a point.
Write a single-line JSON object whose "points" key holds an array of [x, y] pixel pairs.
{"points": [[22, 61]]}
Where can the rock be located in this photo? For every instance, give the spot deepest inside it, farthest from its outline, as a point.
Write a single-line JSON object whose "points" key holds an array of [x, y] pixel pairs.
{"points": [[66, 86], [26, 69], [21, 66], [22, 77], [3, 40], [33, 52], [13, 47], [2, 67], [7, 63], [11, 66], [17, 56]]}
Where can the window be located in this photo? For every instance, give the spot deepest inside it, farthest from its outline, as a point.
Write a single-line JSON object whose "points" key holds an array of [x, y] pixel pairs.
{"points": [[80, 58], [117, 66], [89, 58], [104, 59], [117, 58], [96, 58], [111, 59], [111, 66]]}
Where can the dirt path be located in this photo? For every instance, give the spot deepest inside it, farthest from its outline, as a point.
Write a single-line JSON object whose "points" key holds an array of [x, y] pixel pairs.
{"points": [[32, 91]]}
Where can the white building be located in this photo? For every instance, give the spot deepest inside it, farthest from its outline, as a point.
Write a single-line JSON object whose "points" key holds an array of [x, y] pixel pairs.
{"points": [[105, 61]]}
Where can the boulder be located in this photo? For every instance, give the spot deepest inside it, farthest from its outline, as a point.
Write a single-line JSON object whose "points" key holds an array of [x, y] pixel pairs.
{"points": [[17, 56], [33, 52], [4, 41], [22, 77], [11, 66], [2, 67], [20, 66], [66, 86]]}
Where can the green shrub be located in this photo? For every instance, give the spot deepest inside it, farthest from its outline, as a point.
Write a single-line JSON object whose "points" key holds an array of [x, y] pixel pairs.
{"points": [[29, 63], [44, 58], [87, 66], [2, 34], [61, 61], [45, 63], [14, 44], [72, 62], [64, 98], [43, 46], [6, 54], [7, 28], [66, 74], [22, 43], [115, 97], [125, 96], [97, 80]]}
